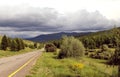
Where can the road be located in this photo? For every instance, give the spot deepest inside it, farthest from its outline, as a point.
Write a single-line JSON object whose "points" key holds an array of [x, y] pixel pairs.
{"points": [[18, 65]]}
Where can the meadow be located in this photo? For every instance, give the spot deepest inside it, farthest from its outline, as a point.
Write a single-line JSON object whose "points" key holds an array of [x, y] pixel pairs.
{"points": [[8, 53], [49, 66]]}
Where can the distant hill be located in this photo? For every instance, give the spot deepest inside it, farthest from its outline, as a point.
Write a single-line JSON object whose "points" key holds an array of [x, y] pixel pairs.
{"points": [[96, 40], [55, 36]]}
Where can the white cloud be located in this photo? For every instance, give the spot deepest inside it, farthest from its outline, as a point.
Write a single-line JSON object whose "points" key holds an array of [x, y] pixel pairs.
{"points": [[31, 21], [109, 8]]}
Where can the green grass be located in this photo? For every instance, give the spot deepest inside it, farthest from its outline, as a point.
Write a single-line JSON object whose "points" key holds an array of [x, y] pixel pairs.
{"points": [[11, 53], [48, 66], [102, 69]]}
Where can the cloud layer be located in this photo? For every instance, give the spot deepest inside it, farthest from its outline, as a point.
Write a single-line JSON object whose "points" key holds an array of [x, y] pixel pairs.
{"points": [[30, 21]]}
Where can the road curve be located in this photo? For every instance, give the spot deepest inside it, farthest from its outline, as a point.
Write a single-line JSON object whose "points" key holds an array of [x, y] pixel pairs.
{"points": [[18, 65]]}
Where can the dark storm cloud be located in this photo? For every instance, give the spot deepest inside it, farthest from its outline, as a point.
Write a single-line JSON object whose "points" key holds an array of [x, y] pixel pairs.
{"points": [[48, 20], [34, 19]]}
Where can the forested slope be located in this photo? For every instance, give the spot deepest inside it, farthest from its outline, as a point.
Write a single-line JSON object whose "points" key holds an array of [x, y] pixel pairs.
{"points": [[95, 40]]}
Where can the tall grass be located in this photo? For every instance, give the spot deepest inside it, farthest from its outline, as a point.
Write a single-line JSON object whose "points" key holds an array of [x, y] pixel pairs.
{"points": [[48, 66]]}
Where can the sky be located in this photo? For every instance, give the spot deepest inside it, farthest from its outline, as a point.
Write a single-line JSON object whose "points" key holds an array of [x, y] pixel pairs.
{"points": [[29, 18]]}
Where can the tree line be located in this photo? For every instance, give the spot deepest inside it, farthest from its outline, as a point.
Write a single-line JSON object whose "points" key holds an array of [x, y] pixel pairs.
{"points": [[15, 44], [96, 40]]}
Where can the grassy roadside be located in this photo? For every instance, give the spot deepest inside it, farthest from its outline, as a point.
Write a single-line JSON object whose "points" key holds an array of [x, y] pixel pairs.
{"points": [[48, 66], [11, 53]]}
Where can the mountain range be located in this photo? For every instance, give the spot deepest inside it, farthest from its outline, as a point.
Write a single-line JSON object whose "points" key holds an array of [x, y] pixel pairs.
{"points": [[55, 36]]}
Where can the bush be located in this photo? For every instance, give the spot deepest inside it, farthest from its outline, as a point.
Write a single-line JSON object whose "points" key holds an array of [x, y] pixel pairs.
{"points": [[115, 58], [91, 50], [31, 46], [104, 47], [57, 43], [101, 55], [71, 47], [50, 48]]}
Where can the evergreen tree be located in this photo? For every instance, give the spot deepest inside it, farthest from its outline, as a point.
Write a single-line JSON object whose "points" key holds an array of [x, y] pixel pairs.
{"points": [[13, 45], [22, 45], [35, 45], [115, 59], [9, 42], [4, 43], [19, 47]]}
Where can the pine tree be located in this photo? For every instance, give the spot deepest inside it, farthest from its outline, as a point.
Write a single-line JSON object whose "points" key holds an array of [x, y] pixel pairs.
{"points": [[18, 44], [13, 45], [4, 43], [115, 59], [22, 45], [9, 42], [35, 45]]}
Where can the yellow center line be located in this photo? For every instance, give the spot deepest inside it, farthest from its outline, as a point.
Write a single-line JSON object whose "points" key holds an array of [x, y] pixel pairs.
{"points": [[12, 74]]}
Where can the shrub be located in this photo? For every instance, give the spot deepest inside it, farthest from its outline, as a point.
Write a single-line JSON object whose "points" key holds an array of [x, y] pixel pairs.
{"points": [[57, 43], [101, 55], [104, 47], [115, 58], [31, 46], [91, 50], [86, 53], [50, 48], [71, 47], [35, 45]]}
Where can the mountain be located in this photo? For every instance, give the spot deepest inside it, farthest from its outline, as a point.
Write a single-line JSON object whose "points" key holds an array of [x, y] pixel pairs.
{"points": [[55, 36]]}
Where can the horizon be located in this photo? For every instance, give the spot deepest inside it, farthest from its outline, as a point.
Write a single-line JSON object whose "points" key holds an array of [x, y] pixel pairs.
{"points": [[30, 18]]}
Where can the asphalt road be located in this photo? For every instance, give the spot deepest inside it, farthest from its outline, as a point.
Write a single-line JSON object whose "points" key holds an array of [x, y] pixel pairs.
{"points": [[18, 65]]}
